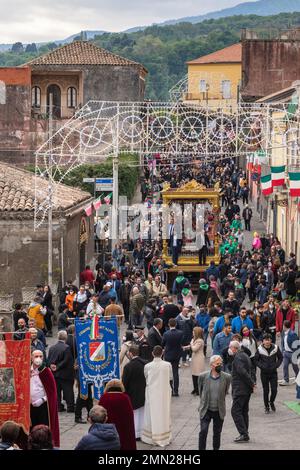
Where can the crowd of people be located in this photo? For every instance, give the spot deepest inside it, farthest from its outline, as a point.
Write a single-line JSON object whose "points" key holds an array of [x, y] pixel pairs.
{"points": [[242, 315]]}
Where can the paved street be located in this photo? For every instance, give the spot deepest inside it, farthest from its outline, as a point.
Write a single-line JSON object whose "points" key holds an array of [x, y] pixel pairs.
{"points": [[274, 431]]}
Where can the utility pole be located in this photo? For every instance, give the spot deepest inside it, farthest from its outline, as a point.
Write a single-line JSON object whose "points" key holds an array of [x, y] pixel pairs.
{"points": [[115, 212], [50, 195]]}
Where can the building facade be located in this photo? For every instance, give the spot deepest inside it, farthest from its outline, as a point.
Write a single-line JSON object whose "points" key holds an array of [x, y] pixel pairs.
{"points": [[214, 79], [24, 251], [73, 75]]}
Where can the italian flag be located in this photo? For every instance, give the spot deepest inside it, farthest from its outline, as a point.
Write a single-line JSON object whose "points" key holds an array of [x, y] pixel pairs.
{"points": [[97, 203], [94, 332], [107, 199], [266, 185], [88, 210], [278, 175], [294, 184]]}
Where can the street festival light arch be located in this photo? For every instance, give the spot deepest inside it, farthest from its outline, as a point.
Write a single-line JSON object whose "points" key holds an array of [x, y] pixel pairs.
{"points": [[102, 129]]}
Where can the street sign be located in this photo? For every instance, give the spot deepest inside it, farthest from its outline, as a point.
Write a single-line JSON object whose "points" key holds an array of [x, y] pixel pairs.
{"points": [[104, 184], [88, 180]]}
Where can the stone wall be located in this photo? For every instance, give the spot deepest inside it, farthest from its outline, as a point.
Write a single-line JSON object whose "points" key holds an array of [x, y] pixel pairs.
{"points": [[24, 252], [268, 66]]}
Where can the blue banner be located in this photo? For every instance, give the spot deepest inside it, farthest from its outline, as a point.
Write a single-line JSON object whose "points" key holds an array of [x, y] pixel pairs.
{"points": [[98, 355]]}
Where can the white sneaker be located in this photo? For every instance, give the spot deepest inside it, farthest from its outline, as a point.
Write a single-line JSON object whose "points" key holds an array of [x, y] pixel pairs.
{"points": [[284, 384]]}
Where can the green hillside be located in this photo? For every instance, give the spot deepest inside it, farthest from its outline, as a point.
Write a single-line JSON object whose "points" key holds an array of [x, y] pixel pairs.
{"points": [[164, 50]]}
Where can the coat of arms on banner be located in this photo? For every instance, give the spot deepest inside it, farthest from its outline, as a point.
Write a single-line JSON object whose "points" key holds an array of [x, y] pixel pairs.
{"points": [[98, 353]]}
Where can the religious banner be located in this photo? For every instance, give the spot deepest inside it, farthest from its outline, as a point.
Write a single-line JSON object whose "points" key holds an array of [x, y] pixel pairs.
{"points": [[15, 382], [98, 354]]}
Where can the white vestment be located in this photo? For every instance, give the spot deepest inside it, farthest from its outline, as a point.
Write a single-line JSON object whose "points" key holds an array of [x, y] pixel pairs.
{"points": [[139, 421], [157, 417]]}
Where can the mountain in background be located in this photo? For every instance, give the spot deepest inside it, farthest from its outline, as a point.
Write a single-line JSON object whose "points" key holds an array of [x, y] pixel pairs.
{"points": [[260, 8]]}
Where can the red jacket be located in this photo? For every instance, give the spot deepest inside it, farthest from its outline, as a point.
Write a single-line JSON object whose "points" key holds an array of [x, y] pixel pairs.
{"points": [[87, 276], [291, 316]]}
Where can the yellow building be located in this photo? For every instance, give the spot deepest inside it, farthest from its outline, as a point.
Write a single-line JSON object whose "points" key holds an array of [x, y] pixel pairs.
{"points": [[215, 78]]}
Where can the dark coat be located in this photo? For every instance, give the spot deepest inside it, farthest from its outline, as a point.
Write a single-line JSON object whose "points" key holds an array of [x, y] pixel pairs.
{"points": [[60, 354], [242, 382], [268, 360], [154, 338], [172, 344], [134, 381], [100, 437]]}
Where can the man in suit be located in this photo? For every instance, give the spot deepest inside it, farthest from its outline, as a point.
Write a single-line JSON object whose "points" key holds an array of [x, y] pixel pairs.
{"points": [[136, 307], [61, 363], [135, 383], [154, 334], [172, 343], [213, 388]]}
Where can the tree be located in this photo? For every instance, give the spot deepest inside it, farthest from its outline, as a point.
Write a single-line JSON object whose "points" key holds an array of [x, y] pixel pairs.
{"points": [[31, 48], [17, 48]]}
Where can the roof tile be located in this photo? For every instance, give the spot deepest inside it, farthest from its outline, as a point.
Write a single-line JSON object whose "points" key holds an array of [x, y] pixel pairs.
{"points": [[80, 53], [228, 54]]}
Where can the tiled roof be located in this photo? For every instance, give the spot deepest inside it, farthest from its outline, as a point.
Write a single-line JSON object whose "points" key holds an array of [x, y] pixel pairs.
{"points": [[228, 54], [17, 189], [80, 53]]}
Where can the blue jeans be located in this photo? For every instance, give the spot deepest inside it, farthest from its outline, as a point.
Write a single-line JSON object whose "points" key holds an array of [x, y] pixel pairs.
{"points": [[297, 392], [287, 360]]}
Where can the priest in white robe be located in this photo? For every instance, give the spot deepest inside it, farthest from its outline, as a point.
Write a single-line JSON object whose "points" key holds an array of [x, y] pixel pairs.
{"points": [[157, 417]]}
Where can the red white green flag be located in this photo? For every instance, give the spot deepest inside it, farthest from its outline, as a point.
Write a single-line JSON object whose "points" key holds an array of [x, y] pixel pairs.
{"points": [[278, 175], [294, 183], [88, 210], [266, 185], [107, 199], [98, 203]]}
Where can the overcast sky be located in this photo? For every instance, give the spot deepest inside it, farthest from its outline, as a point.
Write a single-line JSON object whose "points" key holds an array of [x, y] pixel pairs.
{"points": [[44, 20]]}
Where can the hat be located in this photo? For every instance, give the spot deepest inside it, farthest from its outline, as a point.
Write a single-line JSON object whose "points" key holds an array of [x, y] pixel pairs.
{"points": [[202, 281], [139, 327], [108, 284]]}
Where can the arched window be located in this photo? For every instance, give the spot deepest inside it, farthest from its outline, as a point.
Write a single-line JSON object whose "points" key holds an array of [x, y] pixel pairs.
{"points": [[36, 97], [72, 97], [2, 92]]}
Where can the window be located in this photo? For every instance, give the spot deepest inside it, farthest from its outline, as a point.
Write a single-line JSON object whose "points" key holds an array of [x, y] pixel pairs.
{"points": [[2, 92], [202, 86], [36, 97], [72, 97], [226, 89]]}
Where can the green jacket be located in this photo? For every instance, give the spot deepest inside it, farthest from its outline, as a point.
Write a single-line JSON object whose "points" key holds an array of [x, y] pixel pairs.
{"points": [[203, 382]]}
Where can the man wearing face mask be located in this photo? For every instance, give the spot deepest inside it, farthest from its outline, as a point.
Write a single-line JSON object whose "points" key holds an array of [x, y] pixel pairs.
{"points": [[242, 388], [43, 396], [213, 388]]}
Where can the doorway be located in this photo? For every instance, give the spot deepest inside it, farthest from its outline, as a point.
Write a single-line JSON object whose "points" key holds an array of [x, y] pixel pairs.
{"points": [[56, 93]]}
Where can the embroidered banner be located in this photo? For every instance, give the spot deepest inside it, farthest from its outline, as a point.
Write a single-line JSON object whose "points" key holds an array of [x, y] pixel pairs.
{"points": [[15, 382], [98, 357]]}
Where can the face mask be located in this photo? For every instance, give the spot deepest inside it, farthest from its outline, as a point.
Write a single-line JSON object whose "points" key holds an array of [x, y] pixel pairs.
{"points": [[247, 333], [38, 361], [219, 368], [230, 352]]}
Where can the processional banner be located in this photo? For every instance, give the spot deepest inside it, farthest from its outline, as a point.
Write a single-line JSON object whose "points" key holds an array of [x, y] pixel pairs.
{"points": [[15, 382], [98, 354]]}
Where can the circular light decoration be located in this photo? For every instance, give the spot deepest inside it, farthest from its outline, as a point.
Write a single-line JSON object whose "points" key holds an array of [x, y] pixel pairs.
{"points": [[251, 129], [162, 129], [191, 129], [98, 133], [222, 130], [132, 129]]}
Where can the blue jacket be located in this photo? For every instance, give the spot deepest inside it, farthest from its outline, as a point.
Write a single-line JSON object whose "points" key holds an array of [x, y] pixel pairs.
{"points": [[100, 437], [219, 325], [212, 271], [291, 338], [221, 342], [172, 343], [237, 324], [203, 320]]}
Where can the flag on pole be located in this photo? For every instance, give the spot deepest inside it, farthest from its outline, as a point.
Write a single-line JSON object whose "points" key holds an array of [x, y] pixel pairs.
{"points": [[266, 185], [98, 203], [88, 210], [107, 199], [278, 175], [294, 183]]}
